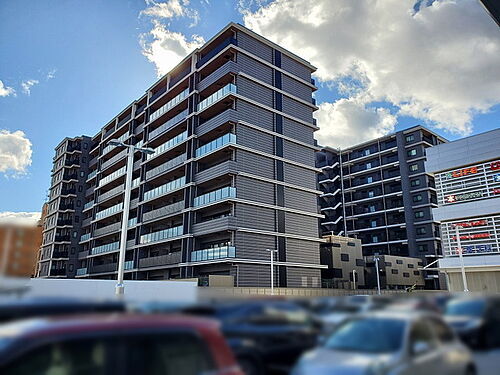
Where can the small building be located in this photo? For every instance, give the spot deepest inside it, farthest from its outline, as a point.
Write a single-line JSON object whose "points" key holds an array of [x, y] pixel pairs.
{"points": [[342, 255], [396, 272]]}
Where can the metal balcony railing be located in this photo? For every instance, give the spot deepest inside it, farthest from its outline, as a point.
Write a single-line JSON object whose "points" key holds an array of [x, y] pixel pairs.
{"points": [[213, 253]]}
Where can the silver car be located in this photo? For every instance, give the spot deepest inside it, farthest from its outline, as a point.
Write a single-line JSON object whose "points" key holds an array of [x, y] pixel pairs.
{"points": [[389, 343]]}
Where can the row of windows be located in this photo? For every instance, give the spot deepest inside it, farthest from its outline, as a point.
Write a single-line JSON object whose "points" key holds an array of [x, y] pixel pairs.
{"points": [[405, 274]]}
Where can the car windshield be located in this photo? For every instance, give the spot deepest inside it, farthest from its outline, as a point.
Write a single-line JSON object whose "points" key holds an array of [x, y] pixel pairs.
{"points": [[368, 335], [466, 307]]}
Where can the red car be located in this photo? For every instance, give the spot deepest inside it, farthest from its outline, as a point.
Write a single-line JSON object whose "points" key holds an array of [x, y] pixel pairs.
{"points": [[115, 344]]}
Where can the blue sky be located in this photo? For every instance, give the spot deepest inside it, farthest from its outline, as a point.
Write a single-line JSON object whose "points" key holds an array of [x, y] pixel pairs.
{"points": [[89, 64]]}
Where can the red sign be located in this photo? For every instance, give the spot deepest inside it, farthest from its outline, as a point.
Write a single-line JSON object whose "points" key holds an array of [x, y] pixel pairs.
{"points": [[469, 224], [495, 165], [496, 191], [472, 236]]}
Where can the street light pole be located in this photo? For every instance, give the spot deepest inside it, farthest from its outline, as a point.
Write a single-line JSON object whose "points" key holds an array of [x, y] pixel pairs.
{"points": [[354, 279], [460, 254], [272, 269], [120, 287], [376, 258]]}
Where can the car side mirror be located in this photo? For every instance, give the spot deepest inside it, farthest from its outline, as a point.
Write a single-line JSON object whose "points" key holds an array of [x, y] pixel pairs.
{"points": [[420, 347]]}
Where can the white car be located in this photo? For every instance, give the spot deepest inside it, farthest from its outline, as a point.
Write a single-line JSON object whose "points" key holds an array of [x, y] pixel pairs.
{"points": [[389, 343]]}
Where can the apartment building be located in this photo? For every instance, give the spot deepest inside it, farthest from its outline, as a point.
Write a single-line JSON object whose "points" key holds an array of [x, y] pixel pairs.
{"points": [[380, 192], [232, 175], [395, 272], [467, 175], [61, 232]]}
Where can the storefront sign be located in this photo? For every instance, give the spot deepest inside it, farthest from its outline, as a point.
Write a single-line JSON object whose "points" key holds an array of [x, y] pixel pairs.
{"points": [[476, 249], [496, 177], [495, 165], [472, 236], [462, 197], [469, 224], [462, 172], [496, 191]]}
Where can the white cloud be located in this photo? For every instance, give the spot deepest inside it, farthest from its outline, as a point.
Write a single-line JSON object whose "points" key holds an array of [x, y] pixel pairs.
{"points": [[28, 84], [19, 218], [6, 90], [161, 46], [51, 74], [15, 153], [440, 63]]}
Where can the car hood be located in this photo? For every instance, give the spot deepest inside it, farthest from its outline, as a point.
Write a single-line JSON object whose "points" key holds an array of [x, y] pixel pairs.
{"points": [[334, 318], [462, 321], [331, 362]]}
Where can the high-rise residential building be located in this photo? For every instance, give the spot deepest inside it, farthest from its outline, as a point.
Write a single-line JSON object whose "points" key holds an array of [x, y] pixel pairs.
{"points": [[467, 175], [380, 192], [232, 175], [63, 212]]}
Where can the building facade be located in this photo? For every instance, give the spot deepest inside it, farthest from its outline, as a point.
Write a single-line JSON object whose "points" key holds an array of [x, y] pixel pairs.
{"points": [[342, 255], [232, 175], [395, 272], [467, 175], [19, 245], [381, 193]]}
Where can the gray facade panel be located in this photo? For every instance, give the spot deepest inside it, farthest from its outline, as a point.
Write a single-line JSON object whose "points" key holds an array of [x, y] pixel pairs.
{"points": [[255, 115], [298, 131], [255, 190], [256, 69], [255, 217], [300, 251], [300, 176], [300, 200], [296, 88], [297, 109], [255, 164], [295, 68], [255, 139], [254, 91], [301, 225], [298, 153], [303, 277], [253, 245], [255, 47]]}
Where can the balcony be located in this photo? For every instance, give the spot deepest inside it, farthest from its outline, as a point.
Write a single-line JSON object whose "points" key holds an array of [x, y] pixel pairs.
{"points": [[105, 248], [140, 109], [115, 227], [228, 67], [136, 182], [121, 155], [111, 193], [162, 235], [163, 211], [220, 142], [164, 189], [121, 138], [167, 125], [65, 238], [101, 268], [179, 76], [83, 254], [216, 96], [88, 205], [123, 121], [59, 254], [169, 105], [109, 211], [134, 203], [69, 177], [213, 254], [118, 173], [175, 162], [215, 225], [85, 237], [227, 167], [229, 115], [216, 50], [214, 196], [86, 222], [81, 271], [161, 260], [168, 144]]}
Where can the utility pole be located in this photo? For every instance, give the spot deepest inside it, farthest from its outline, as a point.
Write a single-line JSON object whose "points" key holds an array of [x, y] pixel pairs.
{"points": [[354, 279], [376, 258], [460, 254], [272, 269]]}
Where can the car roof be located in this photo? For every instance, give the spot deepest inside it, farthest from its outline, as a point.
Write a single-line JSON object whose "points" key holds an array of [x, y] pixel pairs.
{"points": [[41, 327], [400, 315]]}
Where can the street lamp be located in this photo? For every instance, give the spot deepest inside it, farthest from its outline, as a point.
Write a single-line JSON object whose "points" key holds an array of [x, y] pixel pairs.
{"points": [[460, 254], [376, 258], [354, 279], [272, 269], [120, 288]]}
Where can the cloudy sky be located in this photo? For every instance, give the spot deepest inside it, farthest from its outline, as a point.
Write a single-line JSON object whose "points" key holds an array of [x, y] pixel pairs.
{"points": [[69, 66]]}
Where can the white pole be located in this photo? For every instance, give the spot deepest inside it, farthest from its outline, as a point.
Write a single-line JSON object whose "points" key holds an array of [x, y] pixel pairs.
{"points": [[272, 271], [120, 288], [462, 266], [354, 279], [6, 249], [378, 276]]}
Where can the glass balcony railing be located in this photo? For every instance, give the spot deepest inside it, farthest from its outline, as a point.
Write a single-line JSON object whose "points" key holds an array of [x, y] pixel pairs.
{"points": [[121, 138], [168, 144], [169, 105], [162, 235], [132, 222], [87, 205], [81, 271], [226, 139], [136, 182], [174, 120], [109, 211], [214, 196], [92, 174], [112, 176], [85, 237], [105, 248], [129, 264], [163, 189], [213, 253], [216, 96]]}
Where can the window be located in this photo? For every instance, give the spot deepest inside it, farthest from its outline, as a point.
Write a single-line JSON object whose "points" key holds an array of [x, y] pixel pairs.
{"points": [[374, 238], [82, 173], [344, 257], [71, 267], [373, 223], [366, 152], [337, 273], [394, 271], [334, 244], [73, 250], [388, 264], [406, 274], [360, 262], [419, 214], [409, 138], [416, 273], [411, 265], [75, 234], [351, 244], [371, 194], [63, 358], [399, 261], [85, 145], [417, 198], [368, 165], [412, 152], [414, 167], [369, 179], [80, 188], [421, 230], [372, 208]]}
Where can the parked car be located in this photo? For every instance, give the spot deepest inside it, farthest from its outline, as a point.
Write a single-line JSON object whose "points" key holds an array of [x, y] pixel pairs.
{"points": [[264, 335], [385, 342], [476, 320], [115, 344], [413, 304], [30, 307]]}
